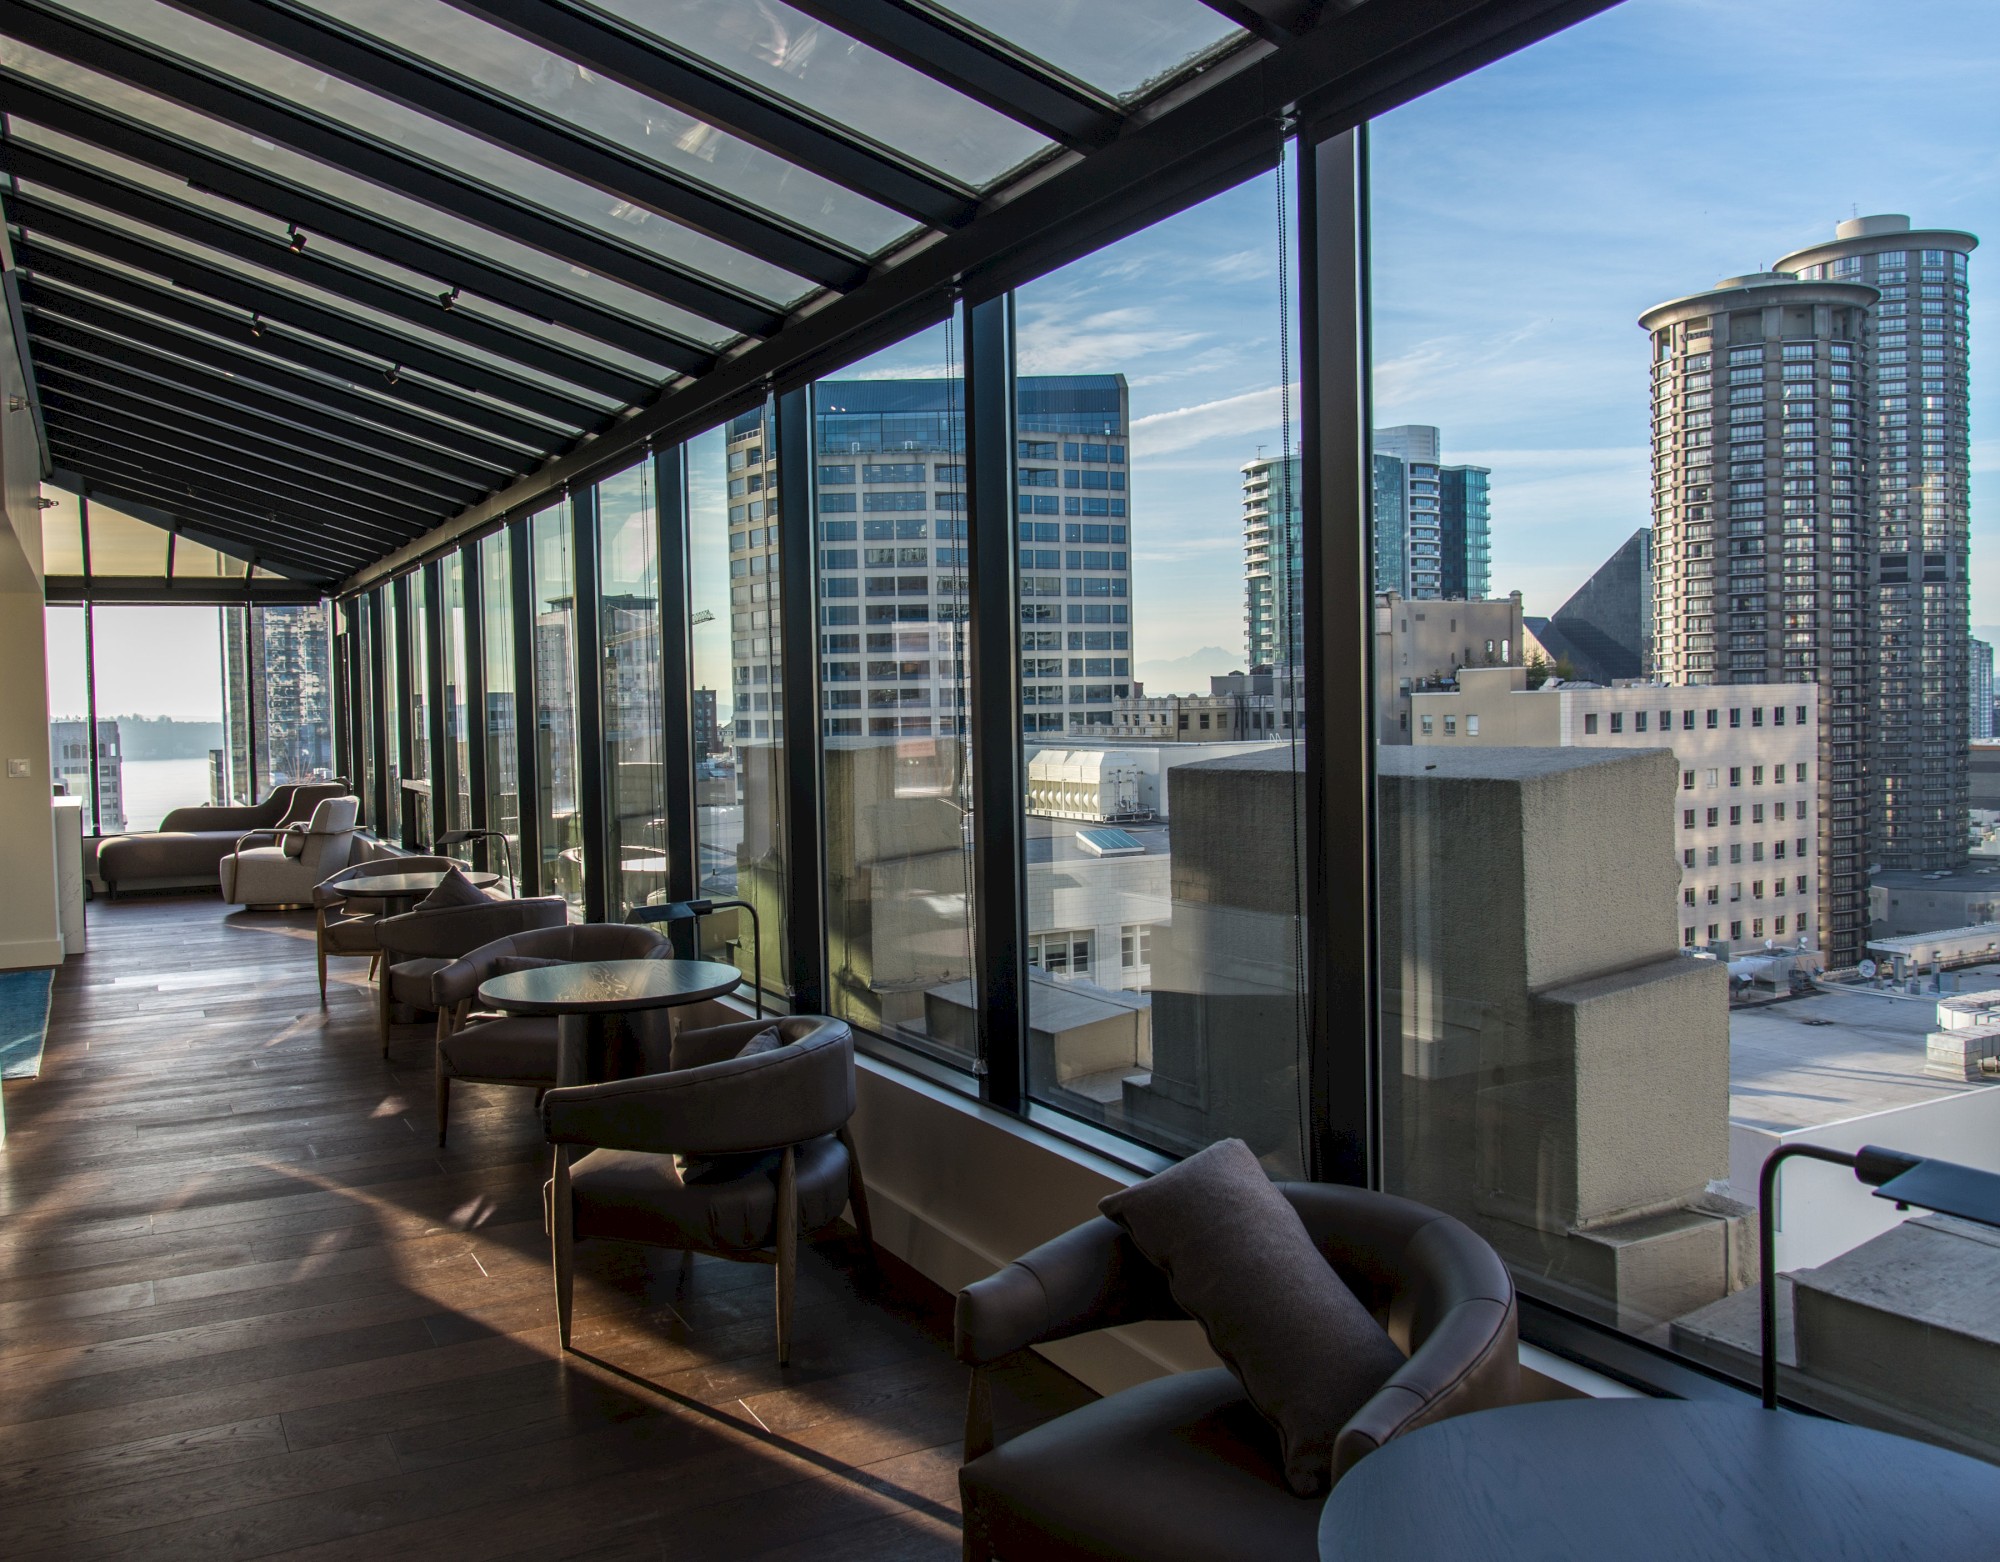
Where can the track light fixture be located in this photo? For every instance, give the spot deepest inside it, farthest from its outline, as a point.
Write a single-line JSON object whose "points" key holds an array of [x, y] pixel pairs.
{"points": [[256, 325], [393, 373], [297, 238], [448, 300]]}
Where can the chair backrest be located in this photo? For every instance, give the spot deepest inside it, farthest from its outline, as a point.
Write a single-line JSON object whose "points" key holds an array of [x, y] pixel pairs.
{"points": [[796, 1092], [330, 835], [454, 931], [586, 941]]}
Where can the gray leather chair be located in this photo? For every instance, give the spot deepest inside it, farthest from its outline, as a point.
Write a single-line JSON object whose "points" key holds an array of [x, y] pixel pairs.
{"points": [[734, 1156], [344, 927], [520, 1049], [280, 876], [418, 944], [1183, 1467]]}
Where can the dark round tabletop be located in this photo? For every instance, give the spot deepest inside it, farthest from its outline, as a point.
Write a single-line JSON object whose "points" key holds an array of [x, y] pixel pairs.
{"points": [[1660, 1480], [608, 986], [402, 886]]}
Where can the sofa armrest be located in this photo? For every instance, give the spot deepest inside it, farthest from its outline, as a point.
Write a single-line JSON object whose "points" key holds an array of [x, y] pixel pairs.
{"points": [[1089, 1278]]}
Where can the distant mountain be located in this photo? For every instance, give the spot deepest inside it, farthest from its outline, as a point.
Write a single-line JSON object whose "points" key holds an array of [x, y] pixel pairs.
{"points": [[1188, 674]]}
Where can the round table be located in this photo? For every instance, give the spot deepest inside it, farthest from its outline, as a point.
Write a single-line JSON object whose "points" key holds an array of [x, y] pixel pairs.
{"points": [[587, 995], [1660, 1480], [400, 891]]}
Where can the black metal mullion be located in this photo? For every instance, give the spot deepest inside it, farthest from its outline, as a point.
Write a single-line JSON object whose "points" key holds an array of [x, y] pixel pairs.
{"points": [[998, 861], [441, 765], [314, 213], [527, 764], [805, 869], [472, 677], [643, 64], [42, 25], [377, 674], [1340, 788], [593, 814], [526, 131], [677, 751]]}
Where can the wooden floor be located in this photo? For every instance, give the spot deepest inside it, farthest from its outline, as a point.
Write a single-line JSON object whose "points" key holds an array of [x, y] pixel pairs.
{"points": [[248, 1309]]}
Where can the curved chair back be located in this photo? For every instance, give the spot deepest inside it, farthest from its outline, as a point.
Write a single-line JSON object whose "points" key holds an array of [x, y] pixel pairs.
{"points": [[452, 931], [326, 892], [330, 834], [565, 945]]}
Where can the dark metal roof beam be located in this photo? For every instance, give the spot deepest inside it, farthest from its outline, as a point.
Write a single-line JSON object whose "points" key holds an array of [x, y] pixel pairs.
{"points": [[125, 489], [1015, 85], [190, 590], [302, 498], [313, 213], [97, 48], [310, 518], [141, 400], [103, 322], [78, 416], [193, 379], [341, 281], [390, 72], [58, 277], [642, 63], [184, 380]]}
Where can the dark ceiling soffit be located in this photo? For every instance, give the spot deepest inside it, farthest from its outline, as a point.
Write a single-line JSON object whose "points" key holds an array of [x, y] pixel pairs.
{"points": [[287, 497], [273, 254], [1275, 20], [102, 322], [225, 290], [145, 401], [34, 22], [387, 71], [1016, 86], [83, 420], [648, 66], [195, 591], [63, 288], [238, 394], [316, 214], [1345, 70], [168, 516], [248, 510]]}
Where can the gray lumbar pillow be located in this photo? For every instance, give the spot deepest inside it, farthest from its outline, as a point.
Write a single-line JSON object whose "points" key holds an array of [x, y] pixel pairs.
{"points": [[766, 1040], [1240, 1261], [454, 890]]}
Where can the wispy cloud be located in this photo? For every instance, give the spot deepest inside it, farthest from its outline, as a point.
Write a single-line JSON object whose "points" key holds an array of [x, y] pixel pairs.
{"points": [[1254, 413]]}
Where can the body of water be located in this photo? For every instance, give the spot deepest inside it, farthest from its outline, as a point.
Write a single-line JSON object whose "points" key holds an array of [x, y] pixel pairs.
{"points": [[154, 787]]}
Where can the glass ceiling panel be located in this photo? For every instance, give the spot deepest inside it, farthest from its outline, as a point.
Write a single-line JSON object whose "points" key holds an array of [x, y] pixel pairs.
{"points": [[198, 561], [1120, 47], [794, 56], [279, 281], [120, 545], [478, 51], [62, 535], [180, 191], [176, 34], [390, 205]]}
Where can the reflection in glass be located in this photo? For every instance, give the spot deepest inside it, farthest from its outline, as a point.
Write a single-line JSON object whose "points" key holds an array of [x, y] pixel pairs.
{"points": [[456, 784], [889, 446], [368, 638], [629, 637], [737, 699], [424, 800], [388, 615], [503, 751], [288, 655], [1164, 834], [554, 629]]}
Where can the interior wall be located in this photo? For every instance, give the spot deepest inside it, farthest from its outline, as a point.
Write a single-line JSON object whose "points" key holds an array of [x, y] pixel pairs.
{"points": [[29, 931]]}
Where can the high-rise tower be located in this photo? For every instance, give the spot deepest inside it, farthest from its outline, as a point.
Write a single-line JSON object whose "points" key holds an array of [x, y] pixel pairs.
{"points": [[1431, 520], [1274, 612], [1921, 538], [1762, 405]]}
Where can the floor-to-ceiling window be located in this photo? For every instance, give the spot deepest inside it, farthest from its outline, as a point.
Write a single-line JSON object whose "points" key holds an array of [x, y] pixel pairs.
{"points": [[160, 713], [1161, 723], [455, 807], [290, 694], [368, 637], [628, 606], [890, 534], [739, 733], [426, 801], [66, 637], [503, 753], [388, 615], [554, 632]]}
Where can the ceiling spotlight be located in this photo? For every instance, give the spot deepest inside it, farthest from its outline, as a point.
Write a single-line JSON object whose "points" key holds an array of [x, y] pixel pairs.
{"points": [[447, 300], [297, 238], [44, 502], [256, 325], [393, 373]]}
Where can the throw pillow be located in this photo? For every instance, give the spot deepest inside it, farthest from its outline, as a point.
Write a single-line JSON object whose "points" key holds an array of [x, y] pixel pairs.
{"points": [[766, 1040], [1239, 1260], [294, 842], [456, 890]]}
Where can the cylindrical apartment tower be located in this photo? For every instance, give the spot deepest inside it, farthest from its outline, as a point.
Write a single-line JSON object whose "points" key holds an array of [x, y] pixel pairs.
{"points": [[1761, 412], [1921, 528]]}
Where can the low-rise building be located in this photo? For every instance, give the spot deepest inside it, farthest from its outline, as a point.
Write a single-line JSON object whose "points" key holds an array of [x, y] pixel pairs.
{"points": [[1422, 644], [1904, 901], [1745, 817]]}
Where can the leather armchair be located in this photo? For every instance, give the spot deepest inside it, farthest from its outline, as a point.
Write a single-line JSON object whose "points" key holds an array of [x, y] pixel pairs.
{"points": [[720, 1154], [520, 1049], [418, 944], [341, 926], [282, 875], [1183, 1467]]}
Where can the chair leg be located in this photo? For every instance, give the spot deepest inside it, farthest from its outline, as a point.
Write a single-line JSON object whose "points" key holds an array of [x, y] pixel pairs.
{"points": [[374, 960], [788, 1249], [562, 1241], [857, 1192]]}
